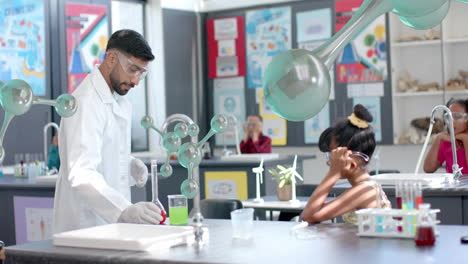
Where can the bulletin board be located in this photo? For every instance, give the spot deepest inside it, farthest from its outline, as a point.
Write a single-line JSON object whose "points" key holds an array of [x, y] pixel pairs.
{"points": [[341, 100]]}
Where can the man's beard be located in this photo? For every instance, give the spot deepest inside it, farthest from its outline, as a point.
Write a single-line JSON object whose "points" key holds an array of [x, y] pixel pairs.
{"points": [[116, 86]]}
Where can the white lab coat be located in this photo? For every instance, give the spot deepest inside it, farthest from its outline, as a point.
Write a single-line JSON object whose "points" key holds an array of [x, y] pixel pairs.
{"points": [[93, 187]]}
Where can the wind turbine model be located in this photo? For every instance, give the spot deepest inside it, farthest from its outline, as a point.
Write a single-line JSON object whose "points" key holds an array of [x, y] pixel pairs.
{"points": [[259, 175], [294, 173]]}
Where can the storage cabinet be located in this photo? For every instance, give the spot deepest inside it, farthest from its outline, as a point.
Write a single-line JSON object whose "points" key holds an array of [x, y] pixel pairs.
{"points": [[427, 59]]}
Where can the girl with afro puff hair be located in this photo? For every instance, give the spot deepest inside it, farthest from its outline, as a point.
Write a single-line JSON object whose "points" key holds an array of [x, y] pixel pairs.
{"points": [[349, 145]]}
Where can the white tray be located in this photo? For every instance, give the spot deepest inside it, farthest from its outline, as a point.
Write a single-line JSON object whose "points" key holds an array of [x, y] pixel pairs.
{"points": [[47, 179], [431, 179], [250, 157], [126, 237]]}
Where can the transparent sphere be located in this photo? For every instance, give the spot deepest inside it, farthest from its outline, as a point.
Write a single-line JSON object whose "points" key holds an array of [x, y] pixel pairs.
{"points": [[427, 21], [166, 170], [219, 123], [181, 130], [189, 188], [171, 142], [188, 154], [296, 85], [416, 8], [146, 122], [66, 105], [193, 130], [16, 97]]}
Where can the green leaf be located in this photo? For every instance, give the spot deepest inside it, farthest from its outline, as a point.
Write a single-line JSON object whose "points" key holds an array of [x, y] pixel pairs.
{"points": [[281, 183], [281, 167]]}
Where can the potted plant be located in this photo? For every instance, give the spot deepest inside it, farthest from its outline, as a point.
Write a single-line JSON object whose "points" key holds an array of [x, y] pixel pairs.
{"points": [[283, 180]]}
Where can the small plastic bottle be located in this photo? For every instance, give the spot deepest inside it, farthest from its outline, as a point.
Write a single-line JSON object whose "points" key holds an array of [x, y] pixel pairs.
{"points": [[425, 231]]}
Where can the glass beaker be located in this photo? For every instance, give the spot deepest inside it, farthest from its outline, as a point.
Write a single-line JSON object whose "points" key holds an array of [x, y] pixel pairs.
{"points": [[425, 231], [178, 210]]}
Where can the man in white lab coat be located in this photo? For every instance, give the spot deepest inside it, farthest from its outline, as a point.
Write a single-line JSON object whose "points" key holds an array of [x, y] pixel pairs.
{"points": [[97, 169]]}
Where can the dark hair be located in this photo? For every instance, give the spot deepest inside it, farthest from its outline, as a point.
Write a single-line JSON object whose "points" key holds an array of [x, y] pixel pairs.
{"points": [[259, 117], [345, 134], [132, 43], [463, 102]]}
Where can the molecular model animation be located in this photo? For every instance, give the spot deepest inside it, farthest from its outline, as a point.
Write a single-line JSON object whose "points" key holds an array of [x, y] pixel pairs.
{"points": [[16, 98], [297, 82], [189, 154]]}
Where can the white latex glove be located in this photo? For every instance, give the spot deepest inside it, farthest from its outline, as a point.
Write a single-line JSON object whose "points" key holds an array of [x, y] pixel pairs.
{"points": [[141, 213], [139, 172]]}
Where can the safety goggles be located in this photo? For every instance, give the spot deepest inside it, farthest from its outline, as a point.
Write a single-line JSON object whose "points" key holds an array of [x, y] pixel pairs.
{"points": [[131, 68], [457, 117], [361, 155], [251, 124]]}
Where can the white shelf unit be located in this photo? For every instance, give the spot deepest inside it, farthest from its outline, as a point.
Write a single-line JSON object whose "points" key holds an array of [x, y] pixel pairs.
{"points": [[427, 61]]}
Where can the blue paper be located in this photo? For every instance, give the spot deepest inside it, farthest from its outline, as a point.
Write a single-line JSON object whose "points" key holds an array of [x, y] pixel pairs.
{"points": [[316, 125], [229, 98], [268, 33], [314, 25], [372, 103], [22, 43]]}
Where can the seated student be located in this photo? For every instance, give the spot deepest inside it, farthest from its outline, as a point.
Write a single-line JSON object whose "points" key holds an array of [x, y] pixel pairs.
{"points": [[254, 141], [441, 150], [53, 155], [349, 146]]}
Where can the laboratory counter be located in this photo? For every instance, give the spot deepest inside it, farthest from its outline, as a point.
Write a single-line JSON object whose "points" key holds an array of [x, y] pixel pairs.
{"points": [[273, 242], [24, 199], [9, 182]]}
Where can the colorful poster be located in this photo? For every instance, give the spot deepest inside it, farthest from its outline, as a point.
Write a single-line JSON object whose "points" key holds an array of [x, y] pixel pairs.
{"points": [[226, 47], [273, 126], [33, 218], [372, 103], [87, 35], [268, 33], [276, 129], [364, 59], [22, 43], [314, 25], [264, 109], [229, 98], [226, 185], [316, 125]]}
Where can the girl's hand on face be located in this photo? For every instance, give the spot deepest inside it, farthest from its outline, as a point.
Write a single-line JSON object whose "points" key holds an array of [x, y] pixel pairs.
{"points": [[462, 136], [340, 159], [444, 137]]}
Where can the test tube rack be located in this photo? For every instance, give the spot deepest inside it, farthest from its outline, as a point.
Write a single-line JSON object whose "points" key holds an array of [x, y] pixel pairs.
{"points": [[379, 222]]}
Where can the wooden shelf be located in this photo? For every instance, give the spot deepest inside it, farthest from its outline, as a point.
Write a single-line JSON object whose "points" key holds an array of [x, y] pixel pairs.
{"points": [[456, 40], [431, 93], [410, 94], [416, 43]]}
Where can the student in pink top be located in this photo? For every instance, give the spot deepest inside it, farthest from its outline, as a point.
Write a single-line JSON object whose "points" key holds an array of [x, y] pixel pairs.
{"points": [[441, 150]]}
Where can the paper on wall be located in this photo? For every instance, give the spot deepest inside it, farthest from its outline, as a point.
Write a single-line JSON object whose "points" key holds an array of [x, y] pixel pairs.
{"points": [[227, 66], [226, 48], [225, 28], [365, 89]]}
